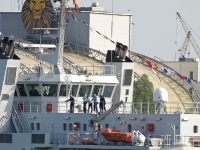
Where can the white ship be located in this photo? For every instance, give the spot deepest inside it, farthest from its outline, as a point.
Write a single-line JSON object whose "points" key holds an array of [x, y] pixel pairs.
{"points": [[35, 116]]}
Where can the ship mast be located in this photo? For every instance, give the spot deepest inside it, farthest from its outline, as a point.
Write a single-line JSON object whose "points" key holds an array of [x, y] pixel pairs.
{"points": [[61, 34]]}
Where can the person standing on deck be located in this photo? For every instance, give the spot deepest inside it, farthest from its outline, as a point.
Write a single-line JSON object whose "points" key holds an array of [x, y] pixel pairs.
{"points": [[71, 104], [84, 103], [102, 104], [94, 99], [89, 104]]}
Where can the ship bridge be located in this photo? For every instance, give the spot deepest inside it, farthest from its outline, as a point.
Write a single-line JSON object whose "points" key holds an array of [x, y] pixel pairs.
{"points": [[78, 59]]}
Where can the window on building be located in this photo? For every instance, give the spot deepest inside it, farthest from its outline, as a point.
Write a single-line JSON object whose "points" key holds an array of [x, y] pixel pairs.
{"points": [[38, 126], [21, 89], [32, 126], [191, 74], [108, 90], [84, 89], [97, 89], [74, 90], [195, 130], [49, 89], [33, 89], [64, 127]]}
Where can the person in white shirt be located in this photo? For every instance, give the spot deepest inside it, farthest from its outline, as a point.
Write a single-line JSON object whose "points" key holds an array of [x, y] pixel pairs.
{"points": [[94, 99]]}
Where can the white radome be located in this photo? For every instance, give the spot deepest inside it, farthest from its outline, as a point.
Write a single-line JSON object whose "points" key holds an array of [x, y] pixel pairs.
{"points": [[160, 95]]}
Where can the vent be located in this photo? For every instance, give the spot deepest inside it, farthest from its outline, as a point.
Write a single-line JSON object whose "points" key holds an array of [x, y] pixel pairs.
{"points": [[5, 97], [38, 138], [11, 74], [5, 138]]}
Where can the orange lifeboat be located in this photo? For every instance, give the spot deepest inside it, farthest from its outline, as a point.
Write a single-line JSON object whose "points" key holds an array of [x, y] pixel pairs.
{"points": [[116, 135], [87, 141]]}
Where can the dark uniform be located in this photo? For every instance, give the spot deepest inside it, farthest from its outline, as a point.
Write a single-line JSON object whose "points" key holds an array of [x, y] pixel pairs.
{"points": [[102, 104], [71, 104]]}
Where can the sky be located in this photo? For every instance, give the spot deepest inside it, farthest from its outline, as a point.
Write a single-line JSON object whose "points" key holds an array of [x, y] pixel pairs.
{"points": [[155, 28]]}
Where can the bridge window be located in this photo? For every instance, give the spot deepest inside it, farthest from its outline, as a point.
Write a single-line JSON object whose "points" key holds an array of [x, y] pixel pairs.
{"points": [[49, 89], [84, 89], [97, 89], [21, 88], [74, 90], [108, 91], [33, 89], [63, 91]]}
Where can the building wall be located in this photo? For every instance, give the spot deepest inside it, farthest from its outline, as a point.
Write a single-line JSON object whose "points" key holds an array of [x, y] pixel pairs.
{"points": [[77, 32], [103, 23], [185, 67], [12, 25]]}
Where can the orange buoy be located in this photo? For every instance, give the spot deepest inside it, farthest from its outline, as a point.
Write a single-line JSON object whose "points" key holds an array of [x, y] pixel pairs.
{"points": [[87, 141], [72, 139]]}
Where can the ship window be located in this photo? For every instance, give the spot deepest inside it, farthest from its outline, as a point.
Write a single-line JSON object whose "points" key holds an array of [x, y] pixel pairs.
{"points": [[84, 127], [108, 91], [195, 129], [15, 92], [49, 89], [64, 126], [33, 89], [128, 76], [127, 91], [106, 126], [129, 127], [38, 126], [70, 127], [32, 126], [84, 89], [63, 90], [21, 89], [74, 90], [11, 74], [97, 89], [38, 138]]}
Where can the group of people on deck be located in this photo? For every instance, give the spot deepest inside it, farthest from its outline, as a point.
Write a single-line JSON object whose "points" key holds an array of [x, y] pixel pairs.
{"points": [[93, 103]]}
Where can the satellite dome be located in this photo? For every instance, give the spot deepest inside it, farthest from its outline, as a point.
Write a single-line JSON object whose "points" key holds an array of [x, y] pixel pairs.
{"points": [[160, 95]]}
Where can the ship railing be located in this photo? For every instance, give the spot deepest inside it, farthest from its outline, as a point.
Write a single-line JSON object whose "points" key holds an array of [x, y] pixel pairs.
{"points": [[126, 108], [64, 138], [194, 141]]}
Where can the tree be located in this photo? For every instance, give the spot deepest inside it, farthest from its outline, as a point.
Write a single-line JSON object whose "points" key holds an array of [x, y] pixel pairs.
{"points": [[143, 92]]}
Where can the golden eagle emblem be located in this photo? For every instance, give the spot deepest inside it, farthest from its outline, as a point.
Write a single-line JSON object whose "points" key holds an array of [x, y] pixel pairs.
{"points": [[37, 14]]}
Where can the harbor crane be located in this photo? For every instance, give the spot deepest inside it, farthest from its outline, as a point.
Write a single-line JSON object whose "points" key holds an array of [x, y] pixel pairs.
{"points": [[188, 38], [184, 47]]}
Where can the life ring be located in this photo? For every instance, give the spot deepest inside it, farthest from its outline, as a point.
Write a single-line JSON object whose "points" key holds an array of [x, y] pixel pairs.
{"points": [[72, 139]]}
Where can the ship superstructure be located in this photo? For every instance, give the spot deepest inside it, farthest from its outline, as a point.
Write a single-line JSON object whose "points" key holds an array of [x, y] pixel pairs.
{"points": [[35, 116]]}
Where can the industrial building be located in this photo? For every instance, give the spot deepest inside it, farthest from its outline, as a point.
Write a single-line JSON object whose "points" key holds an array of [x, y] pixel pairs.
{"points": [[114, 26]]}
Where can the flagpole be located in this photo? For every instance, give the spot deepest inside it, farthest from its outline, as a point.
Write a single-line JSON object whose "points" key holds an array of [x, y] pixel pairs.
{"points": [[112, 29]]}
